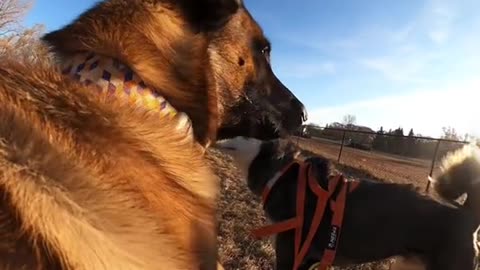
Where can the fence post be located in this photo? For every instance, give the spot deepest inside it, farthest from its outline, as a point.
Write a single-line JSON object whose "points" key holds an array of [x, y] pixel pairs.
{"points": [[433, 164], [341, 147]]}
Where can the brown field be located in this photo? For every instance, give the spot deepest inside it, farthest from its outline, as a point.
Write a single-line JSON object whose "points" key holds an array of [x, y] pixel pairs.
{"points": [[240, 211], [383, 166]]}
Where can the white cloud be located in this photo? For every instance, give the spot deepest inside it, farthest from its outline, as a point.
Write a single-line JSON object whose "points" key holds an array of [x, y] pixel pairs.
{"points": [[346, 44], [424, 110], [402, 34], [401, 66], [329, 67], [405, 58], [307, 70], [439, 18], [438, 36]]}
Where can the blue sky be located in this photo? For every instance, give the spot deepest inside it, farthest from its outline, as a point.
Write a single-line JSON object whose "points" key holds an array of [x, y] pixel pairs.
{"points": [[409, 63]]}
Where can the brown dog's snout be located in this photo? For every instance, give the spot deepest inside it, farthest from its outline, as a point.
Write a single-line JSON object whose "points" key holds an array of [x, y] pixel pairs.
{"points": [[299, 112], [303, 113], [295, 112]]}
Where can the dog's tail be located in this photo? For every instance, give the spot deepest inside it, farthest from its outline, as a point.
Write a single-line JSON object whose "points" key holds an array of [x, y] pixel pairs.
{"points": [[460, 174]]}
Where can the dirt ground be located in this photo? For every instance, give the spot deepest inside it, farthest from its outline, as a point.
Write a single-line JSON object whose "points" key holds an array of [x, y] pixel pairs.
{"points": [[384, 166], [240, 211]]}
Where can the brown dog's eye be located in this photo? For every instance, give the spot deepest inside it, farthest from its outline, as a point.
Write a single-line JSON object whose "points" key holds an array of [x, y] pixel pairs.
{"points": [[241, 61], [266, 53]]}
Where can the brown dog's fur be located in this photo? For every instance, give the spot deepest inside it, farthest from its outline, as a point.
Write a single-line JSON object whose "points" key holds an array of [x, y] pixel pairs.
{"points": [[84, 186], [90, 183]]}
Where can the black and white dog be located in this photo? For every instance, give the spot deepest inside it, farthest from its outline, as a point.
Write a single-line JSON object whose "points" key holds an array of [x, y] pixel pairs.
{"points": [[381, 220]]}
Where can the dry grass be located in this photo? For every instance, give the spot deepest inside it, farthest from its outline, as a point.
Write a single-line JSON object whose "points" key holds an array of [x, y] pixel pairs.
{"points": [[383, 166], [240, 211]]}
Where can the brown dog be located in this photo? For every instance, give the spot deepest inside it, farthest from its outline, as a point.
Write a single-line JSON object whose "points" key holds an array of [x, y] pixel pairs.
{"points": [[209, 58], [89, 179]]}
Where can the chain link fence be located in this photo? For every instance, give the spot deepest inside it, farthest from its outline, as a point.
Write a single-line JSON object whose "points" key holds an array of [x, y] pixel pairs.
{"points": [[387, 155]]}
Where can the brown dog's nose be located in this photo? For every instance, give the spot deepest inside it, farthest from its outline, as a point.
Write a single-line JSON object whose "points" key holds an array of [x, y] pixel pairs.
{"points": [[295, 103], [304, 113]]}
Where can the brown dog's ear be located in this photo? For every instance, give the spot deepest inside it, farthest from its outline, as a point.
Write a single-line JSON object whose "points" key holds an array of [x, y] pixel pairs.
{"points": [[208, 15]]}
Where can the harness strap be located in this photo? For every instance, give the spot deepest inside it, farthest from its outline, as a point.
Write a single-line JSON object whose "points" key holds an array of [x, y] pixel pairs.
{"points": [[338, 207], [324, 197], [322, 201], [289, 224], [276, 228], [352, 185], [301, 188]]}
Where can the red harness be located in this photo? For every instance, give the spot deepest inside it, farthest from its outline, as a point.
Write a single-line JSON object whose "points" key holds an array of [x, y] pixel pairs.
{"points": [[305, 175]]}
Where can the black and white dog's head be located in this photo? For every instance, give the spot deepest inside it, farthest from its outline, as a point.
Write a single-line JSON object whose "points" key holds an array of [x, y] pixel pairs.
{"points": [[258, 160]]}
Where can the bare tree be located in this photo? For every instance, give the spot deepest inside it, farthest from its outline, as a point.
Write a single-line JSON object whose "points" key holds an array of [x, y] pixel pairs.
{"points": [[450, 133], [24, 45], [11, 11], [17, 42], [349, 120]]}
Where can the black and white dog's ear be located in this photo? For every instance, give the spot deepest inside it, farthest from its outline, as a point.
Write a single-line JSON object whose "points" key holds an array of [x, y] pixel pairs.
{"points": [[208, 15]]}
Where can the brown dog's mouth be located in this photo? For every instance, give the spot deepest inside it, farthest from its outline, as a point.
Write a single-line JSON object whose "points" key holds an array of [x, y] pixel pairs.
{"points": [[260, 122], [268, 131], [254, 127], [227, 148]]}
